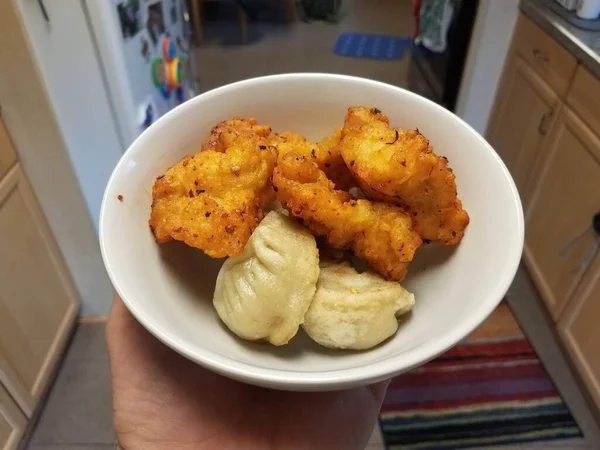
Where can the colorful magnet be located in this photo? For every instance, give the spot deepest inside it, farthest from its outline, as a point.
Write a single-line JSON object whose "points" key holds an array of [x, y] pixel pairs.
{"points": [[165, 91], [179, 95], [173, 72], [184, 64], [158, 72], [169, 49]]}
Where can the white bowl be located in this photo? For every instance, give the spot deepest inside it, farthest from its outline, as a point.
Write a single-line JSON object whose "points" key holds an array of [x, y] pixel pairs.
{"points": [[169, 288]]}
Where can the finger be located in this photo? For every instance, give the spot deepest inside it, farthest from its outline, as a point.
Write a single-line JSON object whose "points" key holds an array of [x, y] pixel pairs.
{"points": [[130, 346]]}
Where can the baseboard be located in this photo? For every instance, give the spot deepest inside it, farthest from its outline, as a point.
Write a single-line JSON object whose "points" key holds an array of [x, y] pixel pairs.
{"points": [[92, 319]]}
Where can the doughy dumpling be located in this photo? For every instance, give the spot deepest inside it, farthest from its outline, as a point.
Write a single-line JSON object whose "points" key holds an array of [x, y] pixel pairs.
{"points": [[264, 293], [354, 310]]}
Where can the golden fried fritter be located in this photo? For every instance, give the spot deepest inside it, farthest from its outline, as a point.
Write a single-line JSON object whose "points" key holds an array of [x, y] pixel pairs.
{"points": [[214, 200], [325, 153], [380, 234], [225, 133], [398, 166]]}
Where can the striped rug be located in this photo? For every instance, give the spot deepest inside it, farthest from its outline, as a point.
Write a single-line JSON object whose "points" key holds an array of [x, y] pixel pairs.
{"points": [[490, 390]]}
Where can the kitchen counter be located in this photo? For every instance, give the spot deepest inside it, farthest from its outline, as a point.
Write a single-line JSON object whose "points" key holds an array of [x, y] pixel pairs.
{"points": [[583, 44]]}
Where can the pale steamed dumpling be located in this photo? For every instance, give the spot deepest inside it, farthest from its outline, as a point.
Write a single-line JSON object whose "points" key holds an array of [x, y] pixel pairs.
{"points": [[264, 293], [354, 310]]}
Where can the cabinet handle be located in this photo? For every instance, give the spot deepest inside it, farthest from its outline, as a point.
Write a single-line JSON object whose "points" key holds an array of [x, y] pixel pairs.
{"points": [[545, 122], [537, 54], [594, 229]]}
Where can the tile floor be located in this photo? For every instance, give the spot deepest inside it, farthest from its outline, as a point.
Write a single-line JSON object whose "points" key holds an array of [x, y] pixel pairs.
{"points": [[78, 414], [308, 47]]}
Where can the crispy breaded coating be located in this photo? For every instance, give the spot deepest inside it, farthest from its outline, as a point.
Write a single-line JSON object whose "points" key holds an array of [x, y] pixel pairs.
{"points": [[325, 153], [399, 166], [213, 200], [225, 133], [380, 234]]}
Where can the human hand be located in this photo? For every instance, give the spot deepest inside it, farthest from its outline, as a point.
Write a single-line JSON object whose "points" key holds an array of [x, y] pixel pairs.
{"points": [[163, 401]]}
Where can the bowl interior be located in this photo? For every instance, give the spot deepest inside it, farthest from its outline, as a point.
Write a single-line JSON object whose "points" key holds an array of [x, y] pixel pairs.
{"points": [[169, 288]]}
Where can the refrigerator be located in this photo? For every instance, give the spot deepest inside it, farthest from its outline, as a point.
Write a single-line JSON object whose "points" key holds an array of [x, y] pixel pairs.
{"points": [[145, 47], [111, 68]]}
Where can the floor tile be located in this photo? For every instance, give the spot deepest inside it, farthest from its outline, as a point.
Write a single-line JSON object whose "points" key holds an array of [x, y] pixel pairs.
{"points": [[78, 410], [89, 342], [308, 47]]}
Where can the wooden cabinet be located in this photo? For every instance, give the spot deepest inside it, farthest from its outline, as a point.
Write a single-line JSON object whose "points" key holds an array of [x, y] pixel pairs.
{"points": [[7, 154], [545, 126], [565, 200], [546, 56], [578, 327], [37, 301], [12, 422], [523, 114], [584, 97]]}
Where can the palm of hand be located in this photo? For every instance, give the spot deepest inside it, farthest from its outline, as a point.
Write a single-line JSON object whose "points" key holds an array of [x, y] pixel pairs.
{"points": [[163, 401]]}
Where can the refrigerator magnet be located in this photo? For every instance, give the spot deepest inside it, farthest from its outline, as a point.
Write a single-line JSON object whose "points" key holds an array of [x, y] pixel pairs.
{"points": [[159, 76], [169, 49], [147, 113], [145, 48], [173, 14], [173, 71], [155, 23], [129, 17]]}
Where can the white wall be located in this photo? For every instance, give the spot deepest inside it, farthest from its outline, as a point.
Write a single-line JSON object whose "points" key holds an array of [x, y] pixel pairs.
{"points": [[490, 42], [64, 52]]}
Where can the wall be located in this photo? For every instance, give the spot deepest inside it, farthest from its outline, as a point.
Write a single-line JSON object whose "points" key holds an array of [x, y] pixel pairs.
{"points": [[30, 119], [490, 42], [66, 55]]}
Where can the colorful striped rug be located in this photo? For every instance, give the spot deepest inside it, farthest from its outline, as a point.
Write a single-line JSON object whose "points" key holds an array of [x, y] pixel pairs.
{"points": [[490, 390]]}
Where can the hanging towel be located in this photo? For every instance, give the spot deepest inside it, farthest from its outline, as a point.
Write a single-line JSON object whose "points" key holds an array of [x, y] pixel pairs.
{"points": [[435, 18]]}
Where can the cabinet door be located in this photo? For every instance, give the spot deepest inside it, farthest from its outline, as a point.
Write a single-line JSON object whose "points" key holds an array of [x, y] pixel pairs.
{"points": [[38, 303], [562, 209], [7, 153], [522, 115], [578, 327], [12, 422]]}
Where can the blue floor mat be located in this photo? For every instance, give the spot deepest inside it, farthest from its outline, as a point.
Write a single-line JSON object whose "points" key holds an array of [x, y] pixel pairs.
{"points": [[373, 46]]}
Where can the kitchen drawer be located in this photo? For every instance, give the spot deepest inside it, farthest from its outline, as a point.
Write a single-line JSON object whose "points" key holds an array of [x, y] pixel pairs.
{"points": [[551, 61], [584, 97], [7, 154]]}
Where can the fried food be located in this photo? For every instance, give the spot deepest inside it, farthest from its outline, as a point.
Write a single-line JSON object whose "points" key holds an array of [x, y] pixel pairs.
{"points": [[214, 199], [399, 166], [325, 153], [224, 134], [380, 234]]}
